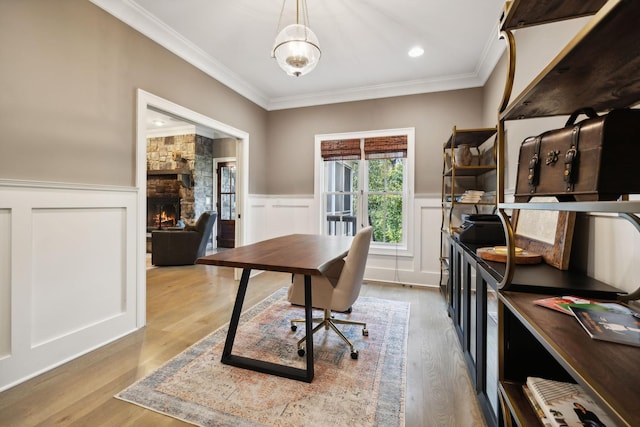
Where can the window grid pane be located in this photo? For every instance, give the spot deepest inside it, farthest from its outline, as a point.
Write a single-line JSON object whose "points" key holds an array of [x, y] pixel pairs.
{"points": [[381, 186], [225, 200], [385, 214]]}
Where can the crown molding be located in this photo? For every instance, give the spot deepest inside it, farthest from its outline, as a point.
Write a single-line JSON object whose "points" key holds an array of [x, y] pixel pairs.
{"points": [[129, 12], [139, 19], [493, 50], [491, 54], [389, 90]]}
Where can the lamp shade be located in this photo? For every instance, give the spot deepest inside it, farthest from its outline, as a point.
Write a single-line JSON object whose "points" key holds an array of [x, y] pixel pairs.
{"points": [[296, 49]]}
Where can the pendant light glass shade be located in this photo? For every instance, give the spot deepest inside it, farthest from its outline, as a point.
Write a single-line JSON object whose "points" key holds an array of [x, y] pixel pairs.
{"points": [[296, 48]]}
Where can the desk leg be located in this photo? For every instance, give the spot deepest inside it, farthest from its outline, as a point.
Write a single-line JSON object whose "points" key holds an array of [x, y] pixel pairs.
{"points": [[259, 365], [235, 316], [308, 315]]}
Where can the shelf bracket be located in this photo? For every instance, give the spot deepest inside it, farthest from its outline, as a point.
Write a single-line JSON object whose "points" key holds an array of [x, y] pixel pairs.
{"points": [[511, 69], [510, 265], [499, 152]]}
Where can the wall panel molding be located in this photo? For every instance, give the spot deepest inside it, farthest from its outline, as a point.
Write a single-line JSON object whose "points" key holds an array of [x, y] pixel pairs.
{"points": [[68, 267], [277, 215]]}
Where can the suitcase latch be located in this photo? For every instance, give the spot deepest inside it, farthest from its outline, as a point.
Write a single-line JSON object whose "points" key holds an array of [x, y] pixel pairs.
{"points": [[552, 157]]}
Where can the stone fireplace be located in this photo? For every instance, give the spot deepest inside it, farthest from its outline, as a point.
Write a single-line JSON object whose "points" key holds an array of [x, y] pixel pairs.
{"points": [[169, 198], [179, 179]]}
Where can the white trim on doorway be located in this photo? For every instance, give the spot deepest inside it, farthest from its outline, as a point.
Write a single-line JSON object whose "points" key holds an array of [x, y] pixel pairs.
{"points": [[144, 101]]}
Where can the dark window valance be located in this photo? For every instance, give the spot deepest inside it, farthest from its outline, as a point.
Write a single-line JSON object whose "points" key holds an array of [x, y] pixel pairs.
{"points": [[385, 147], [340, 149], [381, 147]]}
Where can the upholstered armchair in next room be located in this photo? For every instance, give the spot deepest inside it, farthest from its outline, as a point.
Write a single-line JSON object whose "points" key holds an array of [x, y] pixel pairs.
{"points": [[182, 247]]}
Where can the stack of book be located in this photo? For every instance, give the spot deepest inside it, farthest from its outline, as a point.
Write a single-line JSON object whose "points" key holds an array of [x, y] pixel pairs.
{"points": [[564, 404], [472, 196]]}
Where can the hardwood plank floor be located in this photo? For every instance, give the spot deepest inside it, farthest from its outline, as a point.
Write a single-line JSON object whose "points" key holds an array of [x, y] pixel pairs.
{"points": [[184, 304]]}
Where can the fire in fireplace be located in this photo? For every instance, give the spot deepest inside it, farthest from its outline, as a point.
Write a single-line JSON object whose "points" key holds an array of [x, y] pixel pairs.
{"points": [[162, 212]]}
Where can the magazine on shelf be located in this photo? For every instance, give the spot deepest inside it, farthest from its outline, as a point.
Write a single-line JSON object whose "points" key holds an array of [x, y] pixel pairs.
{"points": [[608, 325], [561, 304], [567, 404]]}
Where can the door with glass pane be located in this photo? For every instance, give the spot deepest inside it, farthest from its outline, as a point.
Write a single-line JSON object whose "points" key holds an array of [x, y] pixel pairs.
{"points": [[226, 204]]}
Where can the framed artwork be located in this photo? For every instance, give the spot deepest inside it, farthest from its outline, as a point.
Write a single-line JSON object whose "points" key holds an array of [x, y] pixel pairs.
{"points": [[548, 233]]}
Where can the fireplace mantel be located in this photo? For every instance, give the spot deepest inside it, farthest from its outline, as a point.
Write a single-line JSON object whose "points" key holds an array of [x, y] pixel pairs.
{"points": [[182, 175]]}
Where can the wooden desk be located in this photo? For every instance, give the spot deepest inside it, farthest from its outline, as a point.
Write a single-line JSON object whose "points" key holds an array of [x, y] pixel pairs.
{"points": [[306, 254]]}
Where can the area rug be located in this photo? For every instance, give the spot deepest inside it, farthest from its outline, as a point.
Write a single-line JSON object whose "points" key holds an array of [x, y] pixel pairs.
{"points": [[197, 388]]}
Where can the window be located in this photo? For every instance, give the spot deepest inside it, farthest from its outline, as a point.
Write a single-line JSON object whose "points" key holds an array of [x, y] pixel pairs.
{"points": [[365, 180]]}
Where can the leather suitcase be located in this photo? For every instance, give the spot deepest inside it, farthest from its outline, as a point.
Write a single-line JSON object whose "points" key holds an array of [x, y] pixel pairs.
{"points": [[595, 159]]}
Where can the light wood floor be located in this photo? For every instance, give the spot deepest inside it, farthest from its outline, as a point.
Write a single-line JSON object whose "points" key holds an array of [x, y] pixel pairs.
{"points": [[184, 304]]}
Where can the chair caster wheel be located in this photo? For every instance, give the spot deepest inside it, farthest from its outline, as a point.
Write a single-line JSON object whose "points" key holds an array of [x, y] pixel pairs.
{"points": [[294, 328], [365, 332], [301, 352], [354, 354]]}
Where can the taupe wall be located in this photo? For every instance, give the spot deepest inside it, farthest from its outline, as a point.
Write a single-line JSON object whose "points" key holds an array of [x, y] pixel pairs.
{"points": [[69, 77], [69, 72], [291, 133], [224, 147]]}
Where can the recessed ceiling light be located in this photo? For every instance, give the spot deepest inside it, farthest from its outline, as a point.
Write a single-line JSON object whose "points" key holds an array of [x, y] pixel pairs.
{"points": [[158, 122], [416, 51]]}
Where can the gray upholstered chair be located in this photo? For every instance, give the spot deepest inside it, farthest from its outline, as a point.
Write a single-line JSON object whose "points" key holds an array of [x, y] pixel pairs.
{"points": [[336, 291], [182, 247]]}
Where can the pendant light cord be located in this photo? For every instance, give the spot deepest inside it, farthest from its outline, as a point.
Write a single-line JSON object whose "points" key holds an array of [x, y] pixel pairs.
{"points": [[280, 18], [306, 13], [305, 16]]}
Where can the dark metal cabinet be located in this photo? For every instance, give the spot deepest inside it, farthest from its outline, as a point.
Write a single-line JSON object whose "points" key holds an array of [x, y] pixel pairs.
{"points": [[473, 307]]}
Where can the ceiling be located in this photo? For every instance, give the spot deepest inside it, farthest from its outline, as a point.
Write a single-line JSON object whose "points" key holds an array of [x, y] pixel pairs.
{"points": [[364, 45]]}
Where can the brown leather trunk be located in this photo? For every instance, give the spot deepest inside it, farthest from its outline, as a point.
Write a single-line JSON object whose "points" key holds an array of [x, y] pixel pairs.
{"points": [[595, 159]]}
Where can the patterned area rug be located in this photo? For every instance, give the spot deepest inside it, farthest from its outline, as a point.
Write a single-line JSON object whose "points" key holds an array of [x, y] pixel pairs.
{"points": [[195, 387]]}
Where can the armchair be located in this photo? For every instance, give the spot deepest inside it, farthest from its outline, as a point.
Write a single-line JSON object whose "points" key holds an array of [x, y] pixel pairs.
{"points": [[337, 290], [182, 247]]}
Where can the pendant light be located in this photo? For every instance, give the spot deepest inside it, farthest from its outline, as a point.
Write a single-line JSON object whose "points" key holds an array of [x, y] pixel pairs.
{"points": [[296, 47]]}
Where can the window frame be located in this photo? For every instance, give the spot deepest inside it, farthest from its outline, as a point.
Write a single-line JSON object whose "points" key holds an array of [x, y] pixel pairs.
{"points": [[400, 249]]}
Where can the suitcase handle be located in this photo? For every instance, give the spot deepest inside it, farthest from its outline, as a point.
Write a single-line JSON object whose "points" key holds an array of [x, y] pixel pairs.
{"points": [[587, 111]]}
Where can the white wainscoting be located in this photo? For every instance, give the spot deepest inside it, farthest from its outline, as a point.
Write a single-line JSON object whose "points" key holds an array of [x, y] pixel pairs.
{"points": [[67, 273], [5, 283], [273, 216]]}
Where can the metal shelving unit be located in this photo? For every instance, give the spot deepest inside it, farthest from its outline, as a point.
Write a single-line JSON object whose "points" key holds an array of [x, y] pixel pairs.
{"points": [[474, 138], [600, 68]]}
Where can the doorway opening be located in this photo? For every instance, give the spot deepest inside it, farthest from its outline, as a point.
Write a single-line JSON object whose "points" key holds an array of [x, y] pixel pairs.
{"points": [[147, 102]]}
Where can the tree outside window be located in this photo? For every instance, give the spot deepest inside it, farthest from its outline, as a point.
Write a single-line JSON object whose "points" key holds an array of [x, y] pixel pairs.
{"points": [[365, 184], [385, 199]]}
